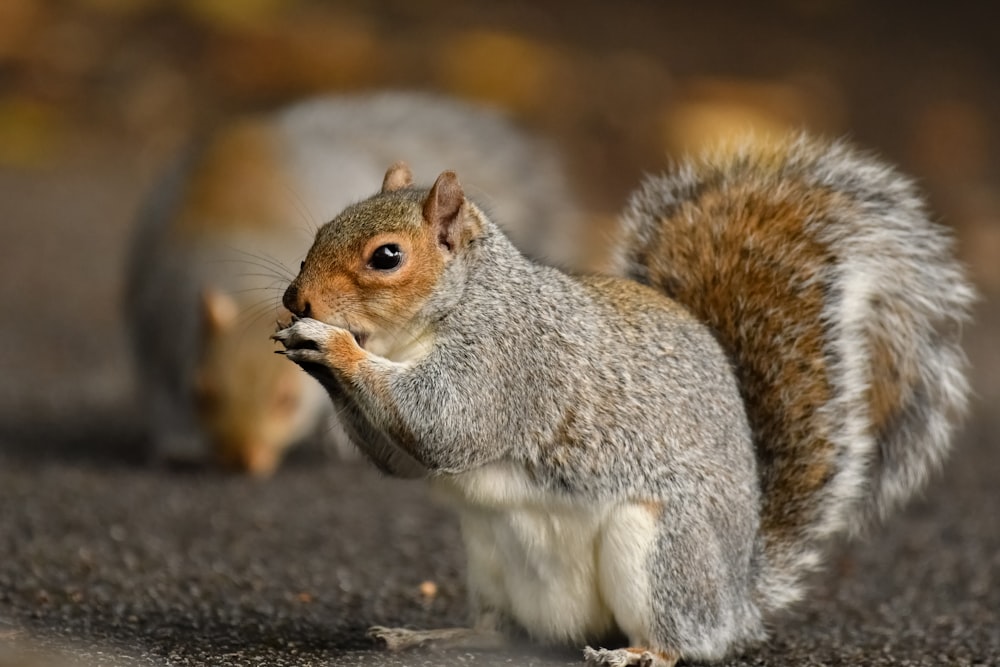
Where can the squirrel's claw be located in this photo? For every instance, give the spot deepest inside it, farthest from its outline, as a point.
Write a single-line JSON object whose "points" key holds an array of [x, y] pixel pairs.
{"points": [[303, 356], [280, 326]]}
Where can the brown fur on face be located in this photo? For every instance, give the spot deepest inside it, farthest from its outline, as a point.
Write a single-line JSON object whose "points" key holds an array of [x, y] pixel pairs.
{"points": [[338, 283], [338, 286]]}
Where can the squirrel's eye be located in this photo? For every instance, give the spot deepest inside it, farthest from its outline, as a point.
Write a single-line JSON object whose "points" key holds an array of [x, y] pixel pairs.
{"points": [[302, 265], [386, 257]]}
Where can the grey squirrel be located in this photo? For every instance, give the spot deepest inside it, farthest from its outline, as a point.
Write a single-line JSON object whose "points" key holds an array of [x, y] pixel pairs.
{"points": [[222, 234], [661, 453]]}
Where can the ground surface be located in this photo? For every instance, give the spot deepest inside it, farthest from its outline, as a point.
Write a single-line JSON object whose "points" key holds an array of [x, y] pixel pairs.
{"points": [[126, 565], [105, 561]]}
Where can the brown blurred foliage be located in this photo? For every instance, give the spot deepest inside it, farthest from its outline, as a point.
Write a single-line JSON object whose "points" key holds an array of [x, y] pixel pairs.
{"points": [[620, 86]]}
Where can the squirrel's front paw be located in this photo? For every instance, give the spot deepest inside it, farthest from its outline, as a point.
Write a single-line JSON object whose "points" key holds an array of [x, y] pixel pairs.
{"points": [[304, 340], [311, 342]]}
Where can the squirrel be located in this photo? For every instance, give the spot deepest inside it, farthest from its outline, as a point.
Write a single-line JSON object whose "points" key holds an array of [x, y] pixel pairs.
{"points": [[661, 453], [216, 240]]}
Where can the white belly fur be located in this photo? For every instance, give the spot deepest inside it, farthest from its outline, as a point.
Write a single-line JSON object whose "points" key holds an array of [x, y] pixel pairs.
{"points": [[565, 571]]}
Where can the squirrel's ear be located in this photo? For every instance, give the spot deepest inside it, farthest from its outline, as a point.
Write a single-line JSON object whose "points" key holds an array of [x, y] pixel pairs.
{"points": [[397, 177], [444, 211], [219, 309]]}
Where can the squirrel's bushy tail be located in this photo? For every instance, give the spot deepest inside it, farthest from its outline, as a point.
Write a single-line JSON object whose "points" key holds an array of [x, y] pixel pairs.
{"points": [[840, 304]]}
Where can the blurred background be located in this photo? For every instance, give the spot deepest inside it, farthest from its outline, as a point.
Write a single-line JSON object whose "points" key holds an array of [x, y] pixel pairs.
{"points": [[96, 96]]}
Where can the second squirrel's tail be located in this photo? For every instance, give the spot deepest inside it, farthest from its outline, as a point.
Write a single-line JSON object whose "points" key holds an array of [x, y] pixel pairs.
{"points": [[841, 306]]}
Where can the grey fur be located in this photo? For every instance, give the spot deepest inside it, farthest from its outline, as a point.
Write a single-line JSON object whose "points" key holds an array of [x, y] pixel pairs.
{"points": [[556, 359]]}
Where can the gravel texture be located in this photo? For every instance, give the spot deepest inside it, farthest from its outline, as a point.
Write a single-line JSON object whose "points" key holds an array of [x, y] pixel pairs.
{"points": [[116, 563]]}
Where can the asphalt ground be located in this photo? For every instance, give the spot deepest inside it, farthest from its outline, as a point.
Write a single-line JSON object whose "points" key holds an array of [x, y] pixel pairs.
{"points": [[112, 562]]}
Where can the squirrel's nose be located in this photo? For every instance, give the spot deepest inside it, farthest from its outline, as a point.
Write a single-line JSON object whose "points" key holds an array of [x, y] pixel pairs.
{"points": [[293, 301]]}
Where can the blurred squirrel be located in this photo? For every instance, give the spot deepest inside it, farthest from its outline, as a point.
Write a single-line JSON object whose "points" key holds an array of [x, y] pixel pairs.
{"points": [[660, 454], [220, 238]]}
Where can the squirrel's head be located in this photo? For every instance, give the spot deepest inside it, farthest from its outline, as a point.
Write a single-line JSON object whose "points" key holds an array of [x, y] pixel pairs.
{"points": [[249, 403], [374, 267]]}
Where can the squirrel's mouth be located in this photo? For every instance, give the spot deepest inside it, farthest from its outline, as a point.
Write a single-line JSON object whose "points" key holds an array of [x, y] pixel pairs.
{"points": [[359, 337]]}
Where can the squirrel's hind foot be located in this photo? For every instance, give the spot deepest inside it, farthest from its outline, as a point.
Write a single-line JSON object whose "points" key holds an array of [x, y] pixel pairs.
{"points": [[629, 657], [402, 639]]}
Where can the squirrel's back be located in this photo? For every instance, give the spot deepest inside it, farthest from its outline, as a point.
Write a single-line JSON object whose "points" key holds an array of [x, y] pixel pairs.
{"points": [[840, 304]]}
